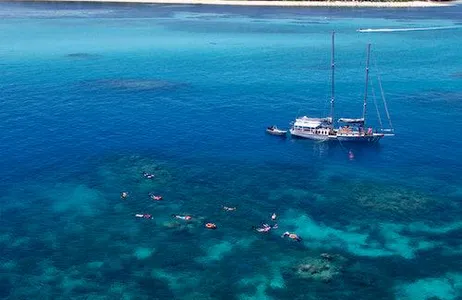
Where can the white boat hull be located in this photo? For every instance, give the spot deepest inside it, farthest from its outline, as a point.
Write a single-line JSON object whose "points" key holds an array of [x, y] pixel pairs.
{"points": [[339, 137], [309, 135], [360, 138]]}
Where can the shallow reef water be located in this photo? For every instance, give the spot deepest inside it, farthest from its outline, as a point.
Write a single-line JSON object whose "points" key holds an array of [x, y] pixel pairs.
{"points": [[78, 238]]}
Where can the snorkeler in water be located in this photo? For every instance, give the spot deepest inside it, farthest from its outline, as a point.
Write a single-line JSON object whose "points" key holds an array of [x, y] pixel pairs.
{"points": [[186, 218], [351, 155], [292, 236], [144, 216], [265, 227], [155, 197], [148, 175]]}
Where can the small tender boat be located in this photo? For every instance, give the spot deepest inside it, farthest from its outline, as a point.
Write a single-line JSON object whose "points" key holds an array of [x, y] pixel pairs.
{"points": [[276, 131]]}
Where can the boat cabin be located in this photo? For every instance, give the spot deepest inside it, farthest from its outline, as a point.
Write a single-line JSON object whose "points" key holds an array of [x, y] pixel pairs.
{"points": [[353, 127], [318, 126]]}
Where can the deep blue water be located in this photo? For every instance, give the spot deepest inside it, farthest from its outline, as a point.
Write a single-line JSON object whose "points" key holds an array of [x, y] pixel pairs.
{"points": [[92, 95]]}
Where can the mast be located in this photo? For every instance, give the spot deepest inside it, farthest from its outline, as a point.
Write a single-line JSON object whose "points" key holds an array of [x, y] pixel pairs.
{"points": [[367, 82], [332, 99]]}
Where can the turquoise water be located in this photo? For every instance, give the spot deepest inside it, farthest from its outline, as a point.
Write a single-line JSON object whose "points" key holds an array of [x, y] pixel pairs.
{"points": [[94, 95]]}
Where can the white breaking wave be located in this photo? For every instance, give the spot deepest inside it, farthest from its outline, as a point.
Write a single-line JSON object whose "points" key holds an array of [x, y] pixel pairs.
{"points": [[406, 29]]}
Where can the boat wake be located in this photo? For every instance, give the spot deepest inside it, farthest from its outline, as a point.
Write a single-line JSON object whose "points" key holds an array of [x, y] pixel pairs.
{"points": [[406, 29]]}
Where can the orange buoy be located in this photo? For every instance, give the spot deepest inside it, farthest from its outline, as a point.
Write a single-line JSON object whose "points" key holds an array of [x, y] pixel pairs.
{"points": [[210, 226]]}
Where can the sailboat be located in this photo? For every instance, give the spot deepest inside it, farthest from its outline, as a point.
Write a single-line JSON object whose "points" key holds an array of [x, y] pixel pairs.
{"points": [[351, 129]]}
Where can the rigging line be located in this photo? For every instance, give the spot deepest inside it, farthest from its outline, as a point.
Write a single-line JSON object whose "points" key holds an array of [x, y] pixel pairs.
{"points": [[343, 147], [376, 106], [383, 94], [298, 113]]}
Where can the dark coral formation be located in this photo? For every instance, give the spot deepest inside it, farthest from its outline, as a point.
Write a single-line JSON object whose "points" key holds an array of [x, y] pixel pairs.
{"points": [[323, 268]]}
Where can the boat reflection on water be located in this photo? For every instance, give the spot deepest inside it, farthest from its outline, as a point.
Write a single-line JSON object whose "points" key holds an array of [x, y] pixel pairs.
{"points": [[337, 150]]}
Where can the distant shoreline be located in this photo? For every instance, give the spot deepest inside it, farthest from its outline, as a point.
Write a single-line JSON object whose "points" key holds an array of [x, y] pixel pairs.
{"points": [[271, 3]]}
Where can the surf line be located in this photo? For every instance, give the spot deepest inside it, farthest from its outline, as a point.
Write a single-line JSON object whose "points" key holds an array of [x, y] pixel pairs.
{"points": [[406, 29]]}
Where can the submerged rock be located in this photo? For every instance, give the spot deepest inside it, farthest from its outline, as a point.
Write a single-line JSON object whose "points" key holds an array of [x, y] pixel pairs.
{"points": [[457, 75], [143, 253], [134, 84], [326, 256], [171, 225], [322, 269], [82, 55], [395, 200]]}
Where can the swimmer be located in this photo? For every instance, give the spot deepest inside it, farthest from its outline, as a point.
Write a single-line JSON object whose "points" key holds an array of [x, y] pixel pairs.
{"points": [[186, 218], [156, 197], [351, 155], [229, 208], [210, 226], [265, 228], [144, 216], [148, 175], [292, 236], [124, 195], [273, 217]]}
